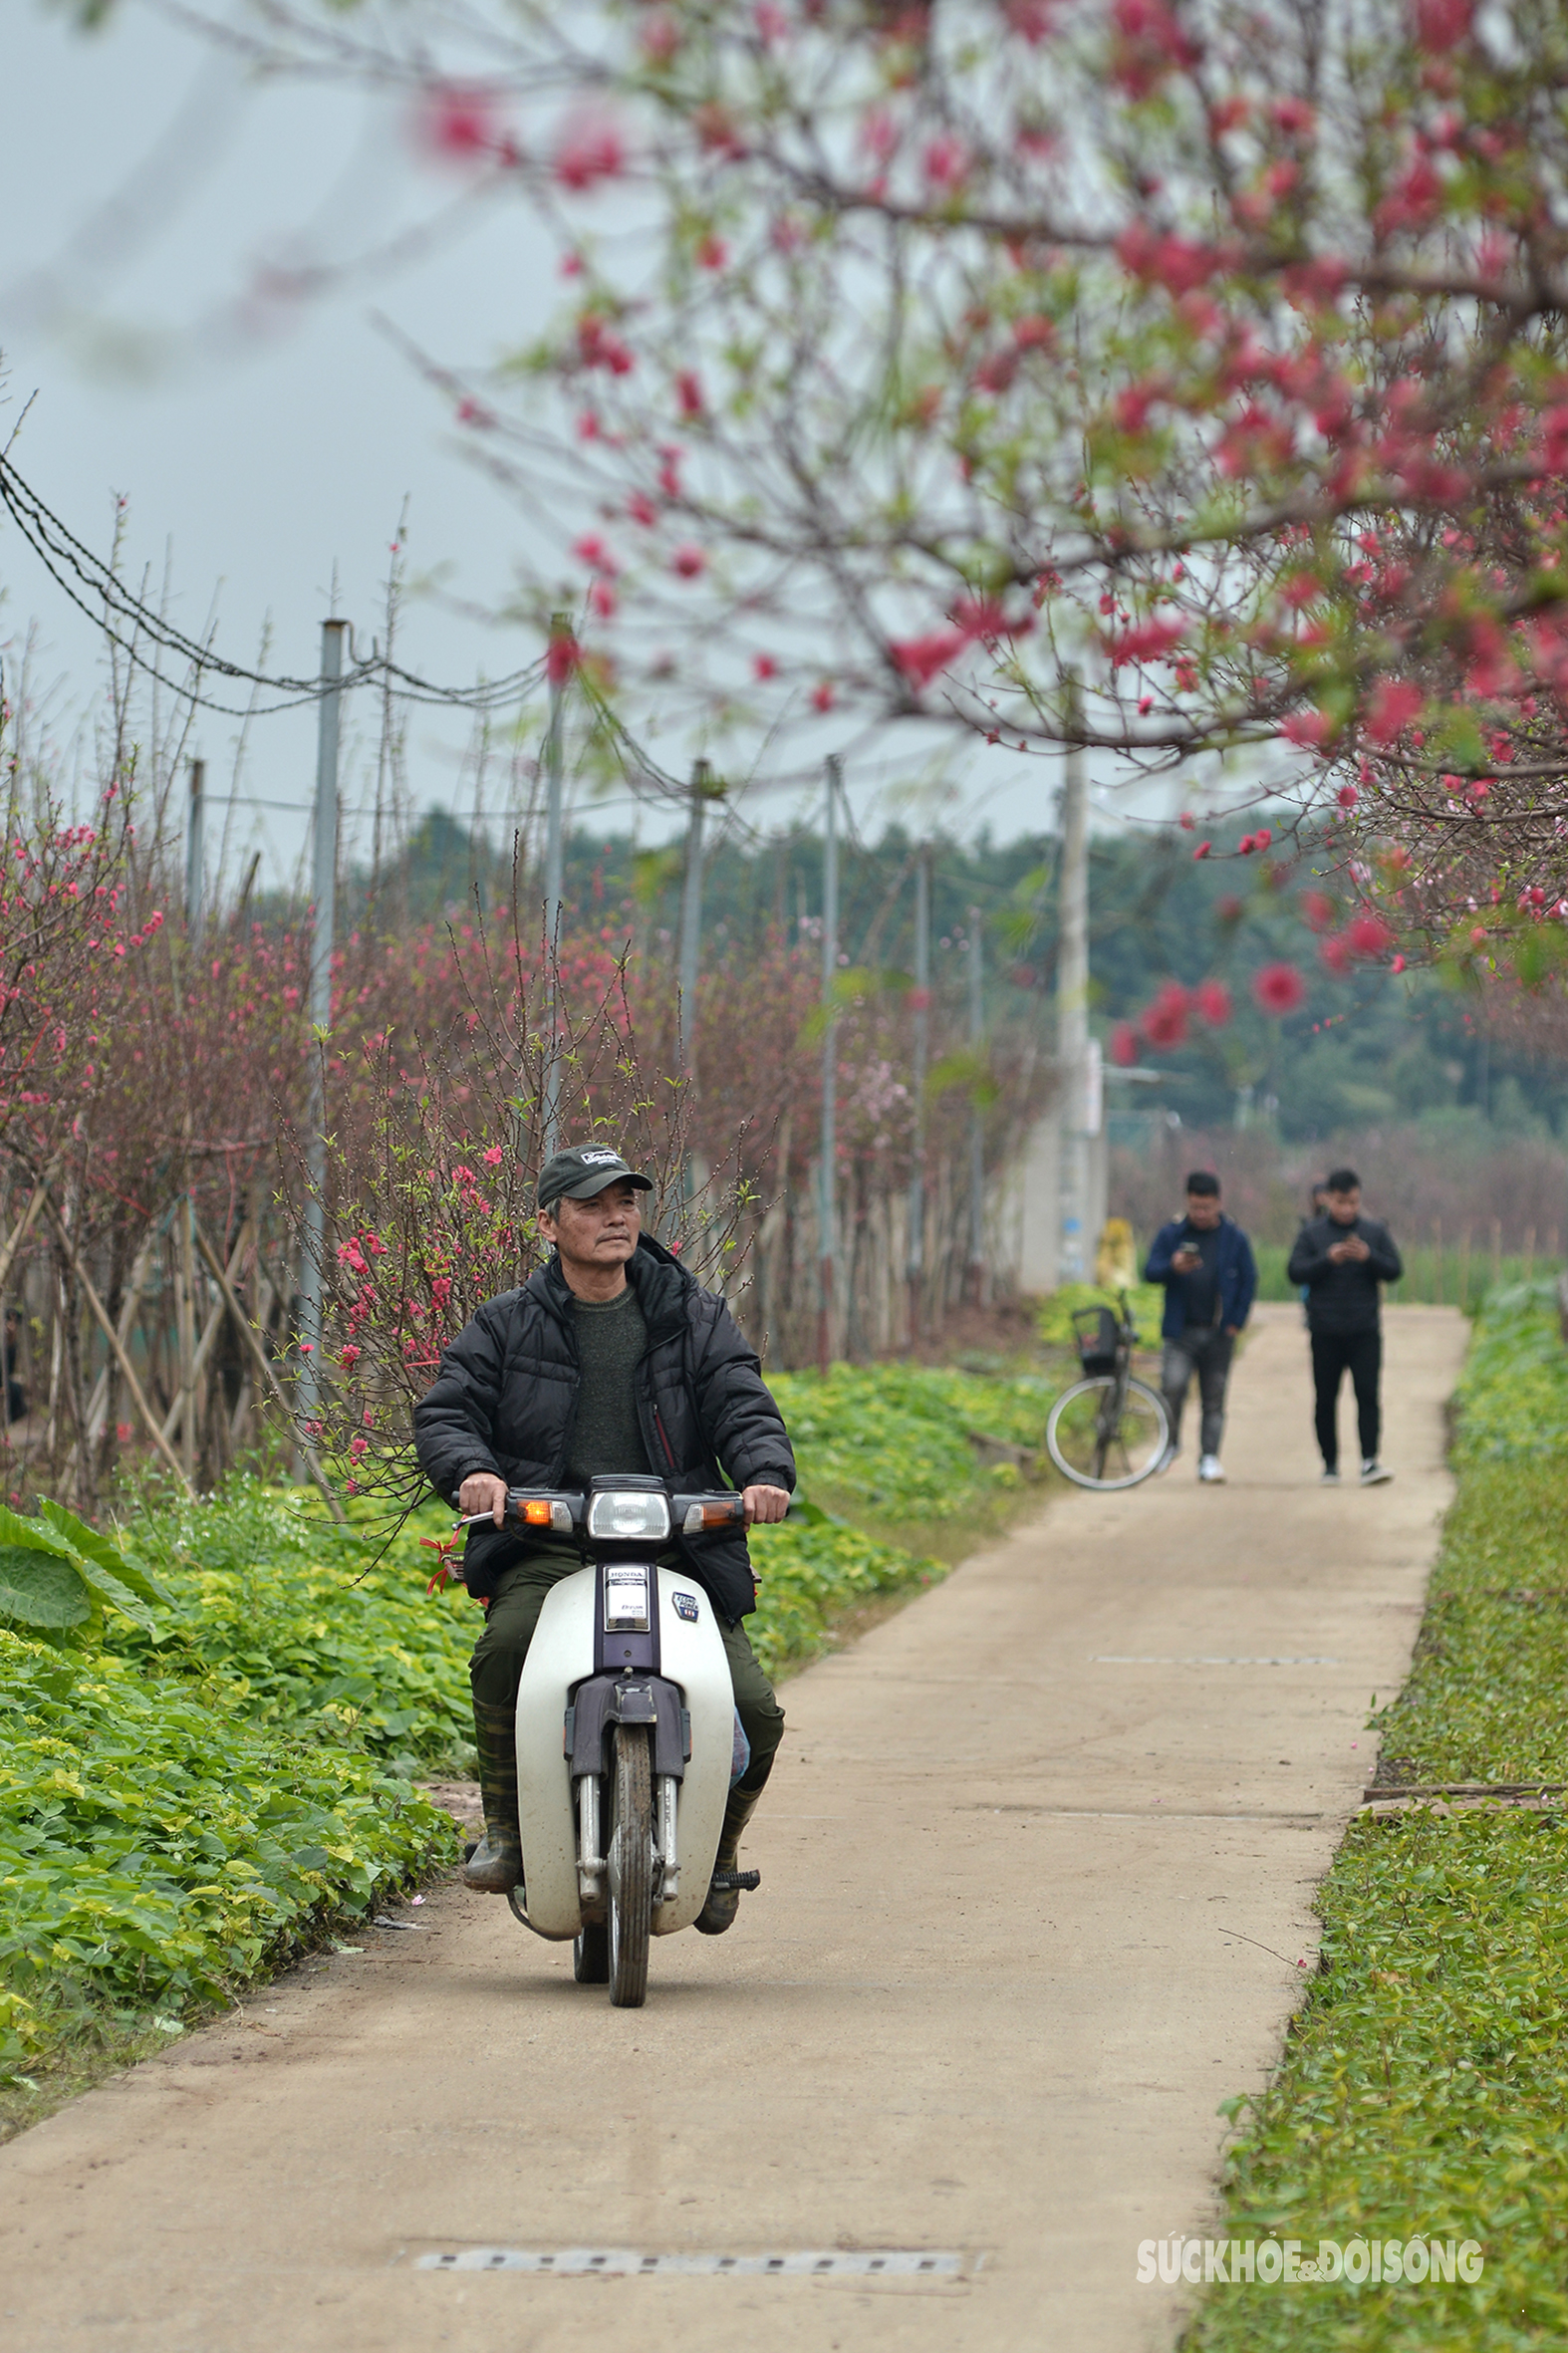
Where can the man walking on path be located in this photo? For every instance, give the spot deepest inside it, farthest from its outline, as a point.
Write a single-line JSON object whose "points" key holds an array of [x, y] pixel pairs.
{"points": [[1341, 1258], [1206, 1263]]}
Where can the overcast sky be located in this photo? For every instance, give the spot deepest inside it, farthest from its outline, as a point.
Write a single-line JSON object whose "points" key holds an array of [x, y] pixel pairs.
{"points": [[145, 182]]}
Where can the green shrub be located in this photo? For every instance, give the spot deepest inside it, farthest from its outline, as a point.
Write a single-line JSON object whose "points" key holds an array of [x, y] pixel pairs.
{"points": [[809, 1575], [894, 1440], [1056, 1325], [1512, 1397], [155, 1847], [296, 1622]]}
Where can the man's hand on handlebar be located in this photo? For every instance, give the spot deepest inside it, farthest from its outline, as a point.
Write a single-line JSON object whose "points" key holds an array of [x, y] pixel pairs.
{"points": [[483, 1491], [486, 1491]]}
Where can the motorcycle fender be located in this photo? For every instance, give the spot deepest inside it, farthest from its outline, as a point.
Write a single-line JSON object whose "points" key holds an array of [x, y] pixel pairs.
{"points": [[560, 1655], [691, 1653]]}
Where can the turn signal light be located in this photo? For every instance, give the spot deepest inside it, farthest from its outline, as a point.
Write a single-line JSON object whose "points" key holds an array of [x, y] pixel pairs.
{"points": [[711, 1515], [536, 1511]]}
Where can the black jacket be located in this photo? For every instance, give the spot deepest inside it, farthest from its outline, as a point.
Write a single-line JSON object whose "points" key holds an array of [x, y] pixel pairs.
{"points": [[1343, 1298], [505, 1400]]}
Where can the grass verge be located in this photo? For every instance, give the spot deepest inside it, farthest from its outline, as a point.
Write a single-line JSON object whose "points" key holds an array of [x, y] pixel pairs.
{"points": [[1423, 2089]]}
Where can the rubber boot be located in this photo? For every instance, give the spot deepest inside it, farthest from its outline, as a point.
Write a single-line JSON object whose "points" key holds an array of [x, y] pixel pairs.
{"points": [[719, 1912], [496, 1864]]}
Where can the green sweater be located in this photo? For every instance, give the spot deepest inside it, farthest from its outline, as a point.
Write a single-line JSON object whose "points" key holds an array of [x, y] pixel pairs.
{"points": [[606, 1436]]}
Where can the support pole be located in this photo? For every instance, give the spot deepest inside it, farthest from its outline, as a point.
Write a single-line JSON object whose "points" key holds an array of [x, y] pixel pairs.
{"points": [[121, 1356], [196, 848], [1071, 1012], [324, 895], [252, 1339], [827, 1209], [185, 1312], [24, 1225], [976, 1116], [555, 866], [691, 925], [915, 1259], [211, 1329]]}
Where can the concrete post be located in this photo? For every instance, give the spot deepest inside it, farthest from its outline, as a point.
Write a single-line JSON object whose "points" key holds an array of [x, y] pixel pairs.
{"points": [[827, 1212], [1072, 1015], [555, 872], [324, 892], [915, 1263]]}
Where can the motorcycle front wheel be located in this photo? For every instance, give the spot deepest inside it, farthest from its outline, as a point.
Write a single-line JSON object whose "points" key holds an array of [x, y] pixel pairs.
{"points": [[630, 1873], [1098, 1441]]}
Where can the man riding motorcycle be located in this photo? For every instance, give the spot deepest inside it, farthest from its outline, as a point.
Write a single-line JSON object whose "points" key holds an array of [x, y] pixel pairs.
{"points": [[609, 1358]]}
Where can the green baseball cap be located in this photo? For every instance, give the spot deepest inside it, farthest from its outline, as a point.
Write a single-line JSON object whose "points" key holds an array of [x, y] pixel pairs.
{"points": [[585, 1170]]}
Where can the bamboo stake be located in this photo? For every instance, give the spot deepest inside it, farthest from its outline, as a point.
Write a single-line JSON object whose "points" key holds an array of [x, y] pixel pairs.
{"points": [[185, 1314], [263, 1364], [127, 1369], [141, 1268], [209, 1332], [25, 1226], [98, 1402]]}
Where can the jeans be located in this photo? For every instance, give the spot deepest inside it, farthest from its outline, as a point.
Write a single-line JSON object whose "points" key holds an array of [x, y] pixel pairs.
{"points": [[497, 1664], [1208, 1352], [1333, 1355]]}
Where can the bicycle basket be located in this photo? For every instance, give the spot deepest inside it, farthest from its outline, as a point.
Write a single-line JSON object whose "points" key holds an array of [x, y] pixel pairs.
{"points": [[1099, 1335]]}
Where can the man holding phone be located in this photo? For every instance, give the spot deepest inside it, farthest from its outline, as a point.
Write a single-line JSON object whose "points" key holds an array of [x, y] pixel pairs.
{"points": [[1341, 1258], [1206, 1263]]}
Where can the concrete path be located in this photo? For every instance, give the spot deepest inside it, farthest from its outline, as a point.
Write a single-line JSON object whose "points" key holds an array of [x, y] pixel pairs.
{"points": [[1038, 1865]]}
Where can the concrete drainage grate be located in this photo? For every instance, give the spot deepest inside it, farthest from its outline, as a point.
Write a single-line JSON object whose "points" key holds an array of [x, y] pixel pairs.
{"points": [[619, 2262]]}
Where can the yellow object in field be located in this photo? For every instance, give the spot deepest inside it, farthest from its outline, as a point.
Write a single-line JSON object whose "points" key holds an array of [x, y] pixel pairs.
{"points": [[1116, 1260]]}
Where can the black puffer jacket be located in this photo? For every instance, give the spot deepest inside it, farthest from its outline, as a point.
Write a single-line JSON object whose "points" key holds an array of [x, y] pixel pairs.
{"points": [[505, 1400], [1343, 1298]]}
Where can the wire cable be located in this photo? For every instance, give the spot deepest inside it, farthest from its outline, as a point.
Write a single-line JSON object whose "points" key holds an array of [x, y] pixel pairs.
{"points": [[82, 577]]}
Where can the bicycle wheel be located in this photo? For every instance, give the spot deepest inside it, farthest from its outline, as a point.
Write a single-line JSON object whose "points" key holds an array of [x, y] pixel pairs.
{"points": [[1095, 1445]]}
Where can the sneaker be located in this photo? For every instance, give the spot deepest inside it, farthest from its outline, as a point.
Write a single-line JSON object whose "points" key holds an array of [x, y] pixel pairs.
{"points": [[1330, 1478], [1212, 1471], [1373, 1474]]}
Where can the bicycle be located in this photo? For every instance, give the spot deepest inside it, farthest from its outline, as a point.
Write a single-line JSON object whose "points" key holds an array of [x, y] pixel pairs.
{"points": [[1109, 1430]]}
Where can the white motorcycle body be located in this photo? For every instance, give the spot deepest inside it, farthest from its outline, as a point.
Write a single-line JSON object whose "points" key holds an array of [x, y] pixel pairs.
{"points": [[572, 1653]]}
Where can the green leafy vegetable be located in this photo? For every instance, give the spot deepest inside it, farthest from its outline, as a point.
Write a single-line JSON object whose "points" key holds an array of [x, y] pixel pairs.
{"points": [[1423, 2088], [37, 1588]]}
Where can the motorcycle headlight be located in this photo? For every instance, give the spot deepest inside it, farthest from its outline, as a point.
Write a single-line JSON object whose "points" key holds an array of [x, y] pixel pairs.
{"points": [[629, 1515]]}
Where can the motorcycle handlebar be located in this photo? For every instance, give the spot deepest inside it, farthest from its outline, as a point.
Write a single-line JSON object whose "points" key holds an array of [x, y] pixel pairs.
{"points": [[566, 1512]]}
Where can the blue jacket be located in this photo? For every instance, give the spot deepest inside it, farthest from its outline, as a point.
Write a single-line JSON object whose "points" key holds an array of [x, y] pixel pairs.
{"points": [[1236, 1271]]}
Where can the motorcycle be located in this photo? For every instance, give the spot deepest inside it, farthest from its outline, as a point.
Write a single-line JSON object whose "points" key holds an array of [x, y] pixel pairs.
{"points": [[628, 1740]]}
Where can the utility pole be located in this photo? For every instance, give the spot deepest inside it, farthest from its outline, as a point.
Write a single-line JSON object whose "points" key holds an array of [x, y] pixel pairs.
{"points": [[1072, 1010], [703, 791], [915, 1258], [555, 671], [195, 849], [976, 1116], [826, 1207], [324, 899]]}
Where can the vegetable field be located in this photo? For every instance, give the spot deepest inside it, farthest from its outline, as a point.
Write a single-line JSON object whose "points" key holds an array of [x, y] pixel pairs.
{"points": [[1423, 2086]]}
